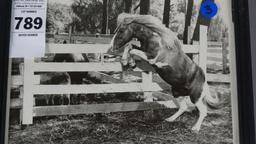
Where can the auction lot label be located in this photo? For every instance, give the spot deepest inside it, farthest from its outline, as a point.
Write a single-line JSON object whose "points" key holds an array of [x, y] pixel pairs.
{"points": [[28, 26]]}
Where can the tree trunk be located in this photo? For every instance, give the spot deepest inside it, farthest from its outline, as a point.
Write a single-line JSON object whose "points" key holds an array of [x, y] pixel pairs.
{"points": [[144, 7], [70, 34], [105, 17], [188, 21], [201, 20], [166, 16], [128, 6]]}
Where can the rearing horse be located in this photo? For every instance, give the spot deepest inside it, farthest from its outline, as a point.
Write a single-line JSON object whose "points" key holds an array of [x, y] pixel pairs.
{"points": [[162, 49]]}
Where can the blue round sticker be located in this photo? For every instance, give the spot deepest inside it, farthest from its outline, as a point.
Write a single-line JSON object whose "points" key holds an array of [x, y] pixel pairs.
{"points": [[208, 9]]}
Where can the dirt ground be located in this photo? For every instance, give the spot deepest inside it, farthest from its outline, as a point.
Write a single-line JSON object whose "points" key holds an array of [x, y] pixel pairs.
{"points": [[128, 128]]}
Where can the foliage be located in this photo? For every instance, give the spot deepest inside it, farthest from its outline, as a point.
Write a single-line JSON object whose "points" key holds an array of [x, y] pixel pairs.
{"points": [[217, 29], [157, 9], [90, 13], [177, 17], [115, 8], [59, 18], [85, 16]]}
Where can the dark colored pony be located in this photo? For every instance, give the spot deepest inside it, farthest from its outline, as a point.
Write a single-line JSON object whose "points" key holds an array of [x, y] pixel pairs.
{"points": [[77, 77], [53, 78], [163, 51]]}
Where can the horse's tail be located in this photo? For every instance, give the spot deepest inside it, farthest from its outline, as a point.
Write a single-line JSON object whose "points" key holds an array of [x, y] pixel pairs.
{"points": [[214, 99]]}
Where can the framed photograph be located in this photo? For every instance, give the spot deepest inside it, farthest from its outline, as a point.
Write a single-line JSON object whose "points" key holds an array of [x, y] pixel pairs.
{"points": [[126, 72]]}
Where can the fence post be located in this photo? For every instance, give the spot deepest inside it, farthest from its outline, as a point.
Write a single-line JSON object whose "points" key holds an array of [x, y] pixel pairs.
{"points": [[70, 34], [148, 96], [225, 56], [189, 37], [203, 48], [101, 57], [147, 82], [27, 110], [21, 69]]}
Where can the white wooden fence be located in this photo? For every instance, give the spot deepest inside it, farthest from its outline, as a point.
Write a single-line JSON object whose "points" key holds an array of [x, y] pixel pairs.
{"points": [[32, 87]]}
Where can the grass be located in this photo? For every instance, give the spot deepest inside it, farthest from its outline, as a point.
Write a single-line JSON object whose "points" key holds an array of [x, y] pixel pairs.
{"points": [[128, 128]]}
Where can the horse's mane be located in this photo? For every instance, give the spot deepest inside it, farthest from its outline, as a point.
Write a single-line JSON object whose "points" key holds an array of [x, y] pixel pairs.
{"points": [[154, 24]]}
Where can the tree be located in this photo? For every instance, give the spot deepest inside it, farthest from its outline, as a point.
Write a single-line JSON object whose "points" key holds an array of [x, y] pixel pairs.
{"points": [[201, 20], [144, 7], [50, 25], [128, 6], [90, 13], [166, 15], [188, 21], [216, 30], [105, 17], [60, 17], [115, 8]]}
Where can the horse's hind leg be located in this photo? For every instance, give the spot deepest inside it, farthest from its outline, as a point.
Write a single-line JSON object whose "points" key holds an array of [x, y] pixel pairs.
{"points": [[183, 108], [202, 112]]}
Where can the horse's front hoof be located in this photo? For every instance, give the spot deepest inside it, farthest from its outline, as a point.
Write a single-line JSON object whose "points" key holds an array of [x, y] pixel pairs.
{"points": [[195, 129]]}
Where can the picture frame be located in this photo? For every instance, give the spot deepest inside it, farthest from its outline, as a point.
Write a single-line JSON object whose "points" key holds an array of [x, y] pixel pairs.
{"points": [[245, 63], [5, 18], [243, 19]]}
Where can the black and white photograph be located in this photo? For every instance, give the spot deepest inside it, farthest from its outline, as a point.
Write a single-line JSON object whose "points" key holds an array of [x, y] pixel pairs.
{"points": [[128, 72]]}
